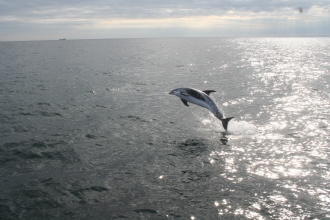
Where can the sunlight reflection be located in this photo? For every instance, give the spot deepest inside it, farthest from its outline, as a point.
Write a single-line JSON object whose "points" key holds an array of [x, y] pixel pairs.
{"points": [[248, 214], [325, 198], [239, 211], [278, 199], [282, 167], [256, 206], [293, 142], [252, 215], [212, 161]]}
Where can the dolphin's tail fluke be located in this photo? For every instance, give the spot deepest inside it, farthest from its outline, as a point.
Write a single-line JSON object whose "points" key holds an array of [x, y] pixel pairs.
{"points": [[225, 122]]}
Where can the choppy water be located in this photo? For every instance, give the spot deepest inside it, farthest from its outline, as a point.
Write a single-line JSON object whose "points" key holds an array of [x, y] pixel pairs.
{"points": [[89, 131]]}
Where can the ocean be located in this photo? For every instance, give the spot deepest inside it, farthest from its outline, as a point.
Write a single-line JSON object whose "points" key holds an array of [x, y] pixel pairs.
{"points": [[89, 130]]}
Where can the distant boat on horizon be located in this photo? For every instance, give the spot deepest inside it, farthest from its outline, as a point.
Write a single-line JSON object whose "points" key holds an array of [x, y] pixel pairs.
{"points": [[62, 38]]}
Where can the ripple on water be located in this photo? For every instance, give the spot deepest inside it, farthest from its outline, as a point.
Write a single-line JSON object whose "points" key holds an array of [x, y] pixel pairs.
{"points": [[192, 147], [52, 194], [27, 156]]}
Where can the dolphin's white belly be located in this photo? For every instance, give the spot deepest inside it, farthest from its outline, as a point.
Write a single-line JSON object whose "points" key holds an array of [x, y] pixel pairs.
{"points": [[206, 104], [198, 102]]}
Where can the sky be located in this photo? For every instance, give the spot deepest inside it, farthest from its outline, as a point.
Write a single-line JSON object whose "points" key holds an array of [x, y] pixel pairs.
{"points": [[22, 20]]}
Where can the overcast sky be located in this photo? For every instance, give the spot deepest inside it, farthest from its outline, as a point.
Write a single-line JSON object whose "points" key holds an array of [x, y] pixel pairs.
{"points": [[99, 19]]}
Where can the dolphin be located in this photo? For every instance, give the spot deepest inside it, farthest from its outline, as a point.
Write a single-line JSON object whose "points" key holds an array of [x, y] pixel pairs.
{"points": [[202, 99]]}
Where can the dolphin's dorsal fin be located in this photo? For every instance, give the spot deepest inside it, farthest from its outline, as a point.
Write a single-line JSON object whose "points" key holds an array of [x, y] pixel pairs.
{"points": [[208, 91], [185, 102], [184, 93]]}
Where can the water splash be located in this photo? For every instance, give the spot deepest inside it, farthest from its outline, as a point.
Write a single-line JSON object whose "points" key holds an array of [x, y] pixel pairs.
{"points": [[234, 127], [206, 121], [241, 128]]}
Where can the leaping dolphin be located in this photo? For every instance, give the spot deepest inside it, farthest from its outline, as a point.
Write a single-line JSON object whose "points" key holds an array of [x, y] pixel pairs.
{"points": [[202, 99]]}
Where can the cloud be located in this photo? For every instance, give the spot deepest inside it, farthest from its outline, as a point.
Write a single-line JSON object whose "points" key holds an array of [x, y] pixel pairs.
{"points": [[211, 16], [145, 8]]}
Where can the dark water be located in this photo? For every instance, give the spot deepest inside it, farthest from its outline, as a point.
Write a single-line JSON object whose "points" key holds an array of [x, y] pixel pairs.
{"points": [[89, 131]]}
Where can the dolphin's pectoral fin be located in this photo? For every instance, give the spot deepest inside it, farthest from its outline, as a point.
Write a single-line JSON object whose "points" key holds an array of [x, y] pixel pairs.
{"points": [[208, 91], [185, 102], [184, 93]]}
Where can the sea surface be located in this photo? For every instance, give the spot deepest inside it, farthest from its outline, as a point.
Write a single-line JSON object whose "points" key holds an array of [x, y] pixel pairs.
{"points": [[88, 129]]}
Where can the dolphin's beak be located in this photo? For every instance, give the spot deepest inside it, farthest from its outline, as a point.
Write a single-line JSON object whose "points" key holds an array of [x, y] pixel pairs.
{"points": [[172, 92]]}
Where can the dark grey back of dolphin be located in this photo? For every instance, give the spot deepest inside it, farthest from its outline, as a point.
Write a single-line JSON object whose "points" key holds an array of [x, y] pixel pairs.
{"points": [[195, 94]]}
